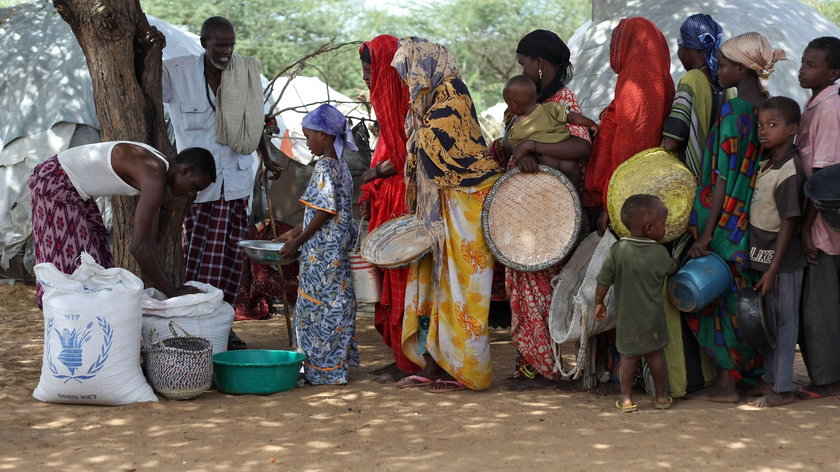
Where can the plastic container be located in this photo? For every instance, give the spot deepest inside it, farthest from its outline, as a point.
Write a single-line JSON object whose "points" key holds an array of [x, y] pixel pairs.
{"points": [[822, 189], [700, 282], [257, 371]]}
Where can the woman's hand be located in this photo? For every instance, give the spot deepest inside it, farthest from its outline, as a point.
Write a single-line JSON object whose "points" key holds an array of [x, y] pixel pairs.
{"points": [[603, 223], [369, 175], [290, 250], [700, 247], [288, 236], [523, 149], [527, 164]]}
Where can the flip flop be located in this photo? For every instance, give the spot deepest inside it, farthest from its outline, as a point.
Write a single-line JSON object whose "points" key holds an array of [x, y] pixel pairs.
{"points": [[414, 381], [626, 408], [664, 406], [455, 386], [805, 394]]}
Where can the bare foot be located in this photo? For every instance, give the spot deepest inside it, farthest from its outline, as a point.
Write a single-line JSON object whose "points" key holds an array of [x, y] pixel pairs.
{"points": [[772, 399], [721, 392], [763, 388], [523, 384]]}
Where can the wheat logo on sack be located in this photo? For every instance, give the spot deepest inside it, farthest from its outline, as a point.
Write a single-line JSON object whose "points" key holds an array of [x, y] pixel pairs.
{"points": [[78, 345]]}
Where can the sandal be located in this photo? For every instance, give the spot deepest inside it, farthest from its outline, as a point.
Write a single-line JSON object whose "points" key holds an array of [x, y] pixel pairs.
{"points": [[414, 381], [664, 406], [446, 386], [626, 408]]}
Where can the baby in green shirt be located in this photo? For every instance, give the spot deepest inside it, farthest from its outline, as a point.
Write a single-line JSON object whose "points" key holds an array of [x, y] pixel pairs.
{"points": [[534, 123], [637, 266]]}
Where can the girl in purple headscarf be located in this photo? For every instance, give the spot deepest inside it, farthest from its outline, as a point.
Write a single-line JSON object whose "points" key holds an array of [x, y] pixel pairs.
{"points": [[325, 311]]}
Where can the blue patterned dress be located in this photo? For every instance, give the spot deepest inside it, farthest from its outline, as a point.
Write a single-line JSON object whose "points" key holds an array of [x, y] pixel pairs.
{"points": [[325, 313]]}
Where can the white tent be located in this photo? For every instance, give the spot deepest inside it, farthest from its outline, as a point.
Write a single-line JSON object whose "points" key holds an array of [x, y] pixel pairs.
{"points": [[788, 25], [46, 92]]}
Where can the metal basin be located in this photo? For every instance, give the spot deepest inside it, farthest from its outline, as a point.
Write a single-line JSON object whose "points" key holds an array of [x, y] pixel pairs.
{"points": [[264, 252], [752, 320]]}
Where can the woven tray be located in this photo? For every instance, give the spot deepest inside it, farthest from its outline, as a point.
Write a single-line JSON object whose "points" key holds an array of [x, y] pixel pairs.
{"points": [[656, 172], [531, 221], [396, 243]]}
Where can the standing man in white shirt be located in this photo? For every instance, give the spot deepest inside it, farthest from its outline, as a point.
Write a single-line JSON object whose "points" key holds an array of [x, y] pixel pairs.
{"points": [[216, 102]]}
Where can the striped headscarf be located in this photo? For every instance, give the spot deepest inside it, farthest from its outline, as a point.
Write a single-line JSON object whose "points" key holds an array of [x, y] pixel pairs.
{"points": [[702, 32], [328, 119], [753, 51]]}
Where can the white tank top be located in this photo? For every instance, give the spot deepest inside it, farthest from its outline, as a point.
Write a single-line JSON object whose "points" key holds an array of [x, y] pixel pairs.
{"points": [[89, 169]]}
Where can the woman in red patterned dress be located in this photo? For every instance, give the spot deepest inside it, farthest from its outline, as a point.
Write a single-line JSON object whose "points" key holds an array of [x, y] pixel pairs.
{"points": [[544, 58]]}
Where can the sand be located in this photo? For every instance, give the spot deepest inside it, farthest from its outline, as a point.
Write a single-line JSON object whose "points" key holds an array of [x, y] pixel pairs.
{"points": [[367, 426]]}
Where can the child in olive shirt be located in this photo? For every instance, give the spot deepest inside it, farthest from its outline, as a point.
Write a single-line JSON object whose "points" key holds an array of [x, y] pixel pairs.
{"points": [[637, 266]]}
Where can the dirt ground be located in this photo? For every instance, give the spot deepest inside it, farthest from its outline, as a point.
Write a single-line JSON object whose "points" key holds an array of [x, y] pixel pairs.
{"points": [[374, 427]]}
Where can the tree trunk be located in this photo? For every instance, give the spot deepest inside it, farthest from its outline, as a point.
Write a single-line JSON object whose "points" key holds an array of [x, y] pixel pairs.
{"points": [[126, 75]]}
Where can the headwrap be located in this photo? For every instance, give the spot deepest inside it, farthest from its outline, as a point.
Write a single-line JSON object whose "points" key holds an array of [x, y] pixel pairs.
{"points": [[644, 93], [328, 119], [702, 32], [389, 97], [753, 50], [423, 65], [547, 45]]}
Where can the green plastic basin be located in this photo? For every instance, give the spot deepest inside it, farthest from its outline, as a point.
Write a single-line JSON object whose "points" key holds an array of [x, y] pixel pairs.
{"points": [[257, 371]]}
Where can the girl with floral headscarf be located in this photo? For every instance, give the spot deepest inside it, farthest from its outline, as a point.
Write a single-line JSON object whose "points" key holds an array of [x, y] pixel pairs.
{"points": [[720, 217], [685, 132], [325, 311], [448, 175]]}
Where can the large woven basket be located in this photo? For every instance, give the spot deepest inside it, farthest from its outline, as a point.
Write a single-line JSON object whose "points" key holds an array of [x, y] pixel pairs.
{"points": [[656, 172], [397, 243], [180, 367], [531, 221]]}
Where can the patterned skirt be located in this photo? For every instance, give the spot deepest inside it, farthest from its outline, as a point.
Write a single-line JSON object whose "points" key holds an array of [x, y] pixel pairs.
{"points": [[63, 224]]}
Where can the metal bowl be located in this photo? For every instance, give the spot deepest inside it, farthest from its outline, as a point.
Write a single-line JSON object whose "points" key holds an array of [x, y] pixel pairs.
{"points": [[752, 320], [264, 252]]}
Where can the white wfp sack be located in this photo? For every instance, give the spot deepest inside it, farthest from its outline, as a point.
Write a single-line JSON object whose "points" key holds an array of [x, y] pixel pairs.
{"points": [[200, 314], [91, 336]]}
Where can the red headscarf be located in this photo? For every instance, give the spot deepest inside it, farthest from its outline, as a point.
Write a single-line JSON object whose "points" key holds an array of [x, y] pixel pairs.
{"points": [[644, 93], [389, 97]]}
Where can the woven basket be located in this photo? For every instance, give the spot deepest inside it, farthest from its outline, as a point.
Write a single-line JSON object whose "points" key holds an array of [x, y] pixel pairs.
{"points": [[397, 243], [180, 367], [367, 280], [656, 172], [531, 221]]}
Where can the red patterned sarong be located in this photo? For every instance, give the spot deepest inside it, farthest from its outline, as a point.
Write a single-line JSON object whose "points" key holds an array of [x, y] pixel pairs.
{"points": [[211, 256], [63, 224]]}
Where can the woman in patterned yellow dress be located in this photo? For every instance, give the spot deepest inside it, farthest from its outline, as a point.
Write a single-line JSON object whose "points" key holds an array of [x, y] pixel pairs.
{"points": [[448, 175]]}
